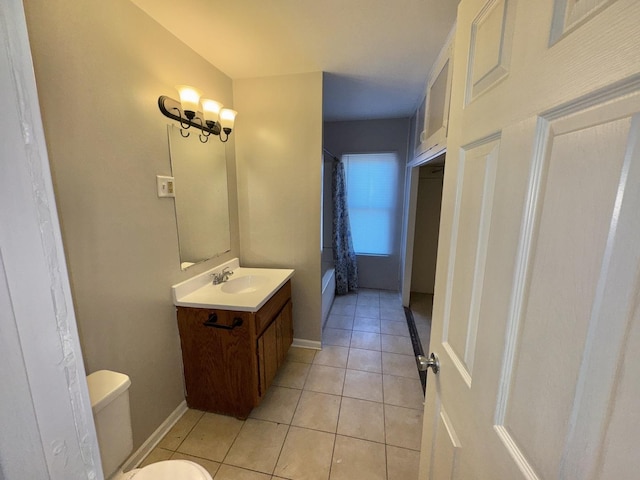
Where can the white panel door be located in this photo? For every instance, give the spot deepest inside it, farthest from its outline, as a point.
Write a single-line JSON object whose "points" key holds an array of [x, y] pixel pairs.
{"points": [[536, 312]]}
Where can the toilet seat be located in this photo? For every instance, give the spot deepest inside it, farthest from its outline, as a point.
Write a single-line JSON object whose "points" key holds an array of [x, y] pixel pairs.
{"points": [[172, 470]]}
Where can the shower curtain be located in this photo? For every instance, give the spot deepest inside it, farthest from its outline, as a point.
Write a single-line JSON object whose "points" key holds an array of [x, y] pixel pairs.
{"points": [[344, 256]]}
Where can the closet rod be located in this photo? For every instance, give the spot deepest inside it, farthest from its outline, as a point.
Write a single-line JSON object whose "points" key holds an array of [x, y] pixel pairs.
{"points": [[330, 154]]}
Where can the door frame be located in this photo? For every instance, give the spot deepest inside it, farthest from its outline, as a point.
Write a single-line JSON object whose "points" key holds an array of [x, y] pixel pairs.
{"points": [[50, 422]]}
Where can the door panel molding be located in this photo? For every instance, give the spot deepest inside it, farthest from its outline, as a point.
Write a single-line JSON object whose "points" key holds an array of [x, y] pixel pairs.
{"points": [[516, 454], [446, 459], [458, 363], [592, 399], [518, 295], [609, 324], [613, 98], [620, 96], [477, 164], [570, 14], [490, 48], [518, 298]]}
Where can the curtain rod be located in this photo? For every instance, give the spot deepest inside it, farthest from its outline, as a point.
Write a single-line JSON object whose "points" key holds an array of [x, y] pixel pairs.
{"points": [[330, 154]]}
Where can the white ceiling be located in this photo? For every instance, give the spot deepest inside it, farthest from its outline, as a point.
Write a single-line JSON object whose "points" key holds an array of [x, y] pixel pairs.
{"points": [[376, 53]]}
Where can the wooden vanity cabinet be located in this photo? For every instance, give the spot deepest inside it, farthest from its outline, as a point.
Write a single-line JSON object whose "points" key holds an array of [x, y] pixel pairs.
{"points": [[230, 357]]}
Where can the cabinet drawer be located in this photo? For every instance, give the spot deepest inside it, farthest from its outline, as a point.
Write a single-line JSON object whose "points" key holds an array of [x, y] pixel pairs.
{"points": [[270, 309]]}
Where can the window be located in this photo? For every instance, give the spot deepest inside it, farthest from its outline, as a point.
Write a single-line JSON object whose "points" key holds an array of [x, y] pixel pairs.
{"points": [[372, 184]]}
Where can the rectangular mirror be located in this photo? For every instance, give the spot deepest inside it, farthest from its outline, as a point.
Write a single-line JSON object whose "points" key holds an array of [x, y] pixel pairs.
{"points": [[201, 196]]}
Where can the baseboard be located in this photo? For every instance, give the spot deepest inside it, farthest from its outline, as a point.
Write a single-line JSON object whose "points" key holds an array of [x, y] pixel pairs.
{"points": [[417, 345], [150, 443], [302, 343]]}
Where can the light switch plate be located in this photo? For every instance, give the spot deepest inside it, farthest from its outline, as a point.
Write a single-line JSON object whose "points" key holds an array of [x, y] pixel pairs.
{"points": [[166, 186]]}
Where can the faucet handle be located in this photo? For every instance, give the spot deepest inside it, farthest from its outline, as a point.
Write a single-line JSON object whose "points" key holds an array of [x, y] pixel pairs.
{"points": [[217, 278], [222, 276]]}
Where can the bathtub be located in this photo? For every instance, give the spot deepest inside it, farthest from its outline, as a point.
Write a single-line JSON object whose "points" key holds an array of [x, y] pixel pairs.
{"points": [[328, 284]]}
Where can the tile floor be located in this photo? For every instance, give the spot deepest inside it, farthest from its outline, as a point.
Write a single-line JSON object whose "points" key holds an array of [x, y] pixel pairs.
{"points": [[351, 411]]}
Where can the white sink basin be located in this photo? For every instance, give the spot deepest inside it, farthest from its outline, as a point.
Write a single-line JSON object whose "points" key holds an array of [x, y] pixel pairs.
{"points": [[245, 284], [247, 290]]}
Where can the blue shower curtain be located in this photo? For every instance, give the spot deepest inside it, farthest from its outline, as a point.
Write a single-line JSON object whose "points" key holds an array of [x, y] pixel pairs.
{"points": [[344, 256]]}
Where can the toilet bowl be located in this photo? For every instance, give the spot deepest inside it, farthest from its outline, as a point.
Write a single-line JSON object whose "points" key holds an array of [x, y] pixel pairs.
{"points": [[167, 470], [109, 393]]}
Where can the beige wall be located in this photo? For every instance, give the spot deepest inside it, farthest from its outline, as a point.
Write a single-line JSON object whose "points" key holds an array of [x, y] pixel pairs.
{"points": [[279, 162], [100, 67]]}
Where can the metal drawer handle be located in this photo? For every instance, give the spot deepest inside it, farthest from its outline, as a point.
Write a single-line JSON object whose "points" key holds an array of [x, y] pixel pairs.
{"points": [[212, 321]]}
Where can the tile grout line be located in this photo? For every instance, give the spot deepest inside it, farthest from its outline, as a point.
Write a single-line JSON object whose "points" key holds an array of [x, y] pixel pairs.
{"points": [[288, 429], [275, 466], [335, 440], [244, 422], [384, 426], [190, 430]]}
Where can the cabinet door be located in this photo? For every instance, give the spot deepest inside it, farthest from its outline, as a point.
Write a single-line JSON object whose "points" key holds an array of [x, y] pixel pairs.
{"points": [[285, 332], [218, 360], [433, 137], [268, 356]]}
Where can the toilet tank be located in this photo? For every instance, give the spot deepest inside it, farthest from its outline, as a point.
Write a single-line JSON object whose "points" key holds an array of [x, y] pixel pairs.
{"points": [[109, 393]]}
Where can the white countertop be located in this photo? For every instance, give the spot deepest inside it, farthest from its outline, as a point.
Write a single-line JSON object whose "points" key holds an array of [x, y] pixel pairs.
{"points": [[255, 287]]}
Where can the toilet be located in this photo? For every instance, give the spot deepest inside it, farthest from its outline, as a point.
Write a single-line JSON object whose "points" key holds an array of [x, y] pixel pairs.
{"points": [[109, 393]]}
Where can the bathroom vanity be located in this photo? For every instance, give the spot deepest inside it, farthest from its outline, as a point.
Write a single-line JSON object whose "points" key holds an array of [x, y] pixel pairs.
{"points": [[234, 337]]}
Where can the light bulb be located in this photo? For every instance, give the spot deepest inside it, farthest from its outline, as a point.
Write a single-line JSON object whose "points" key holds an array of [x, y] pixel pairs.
{"points": [[227, 118], [211, 109], [190, 99]]}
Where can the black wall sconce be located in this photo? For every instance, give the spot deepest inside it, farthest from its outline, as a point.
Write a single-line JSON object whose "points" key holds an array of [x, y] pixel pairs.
{"points": [[213, 120]]}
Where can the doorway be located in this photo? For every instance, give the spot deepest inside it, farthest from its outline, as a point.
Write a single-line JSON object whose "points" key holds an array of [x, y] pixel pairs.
{"points": [[421, 246], [425, 245]]}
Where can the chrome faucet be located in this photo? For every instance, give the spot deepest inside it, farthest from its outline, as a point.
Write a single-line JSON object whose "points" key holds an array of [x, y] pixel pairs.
{"points": [[221, 277]]}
